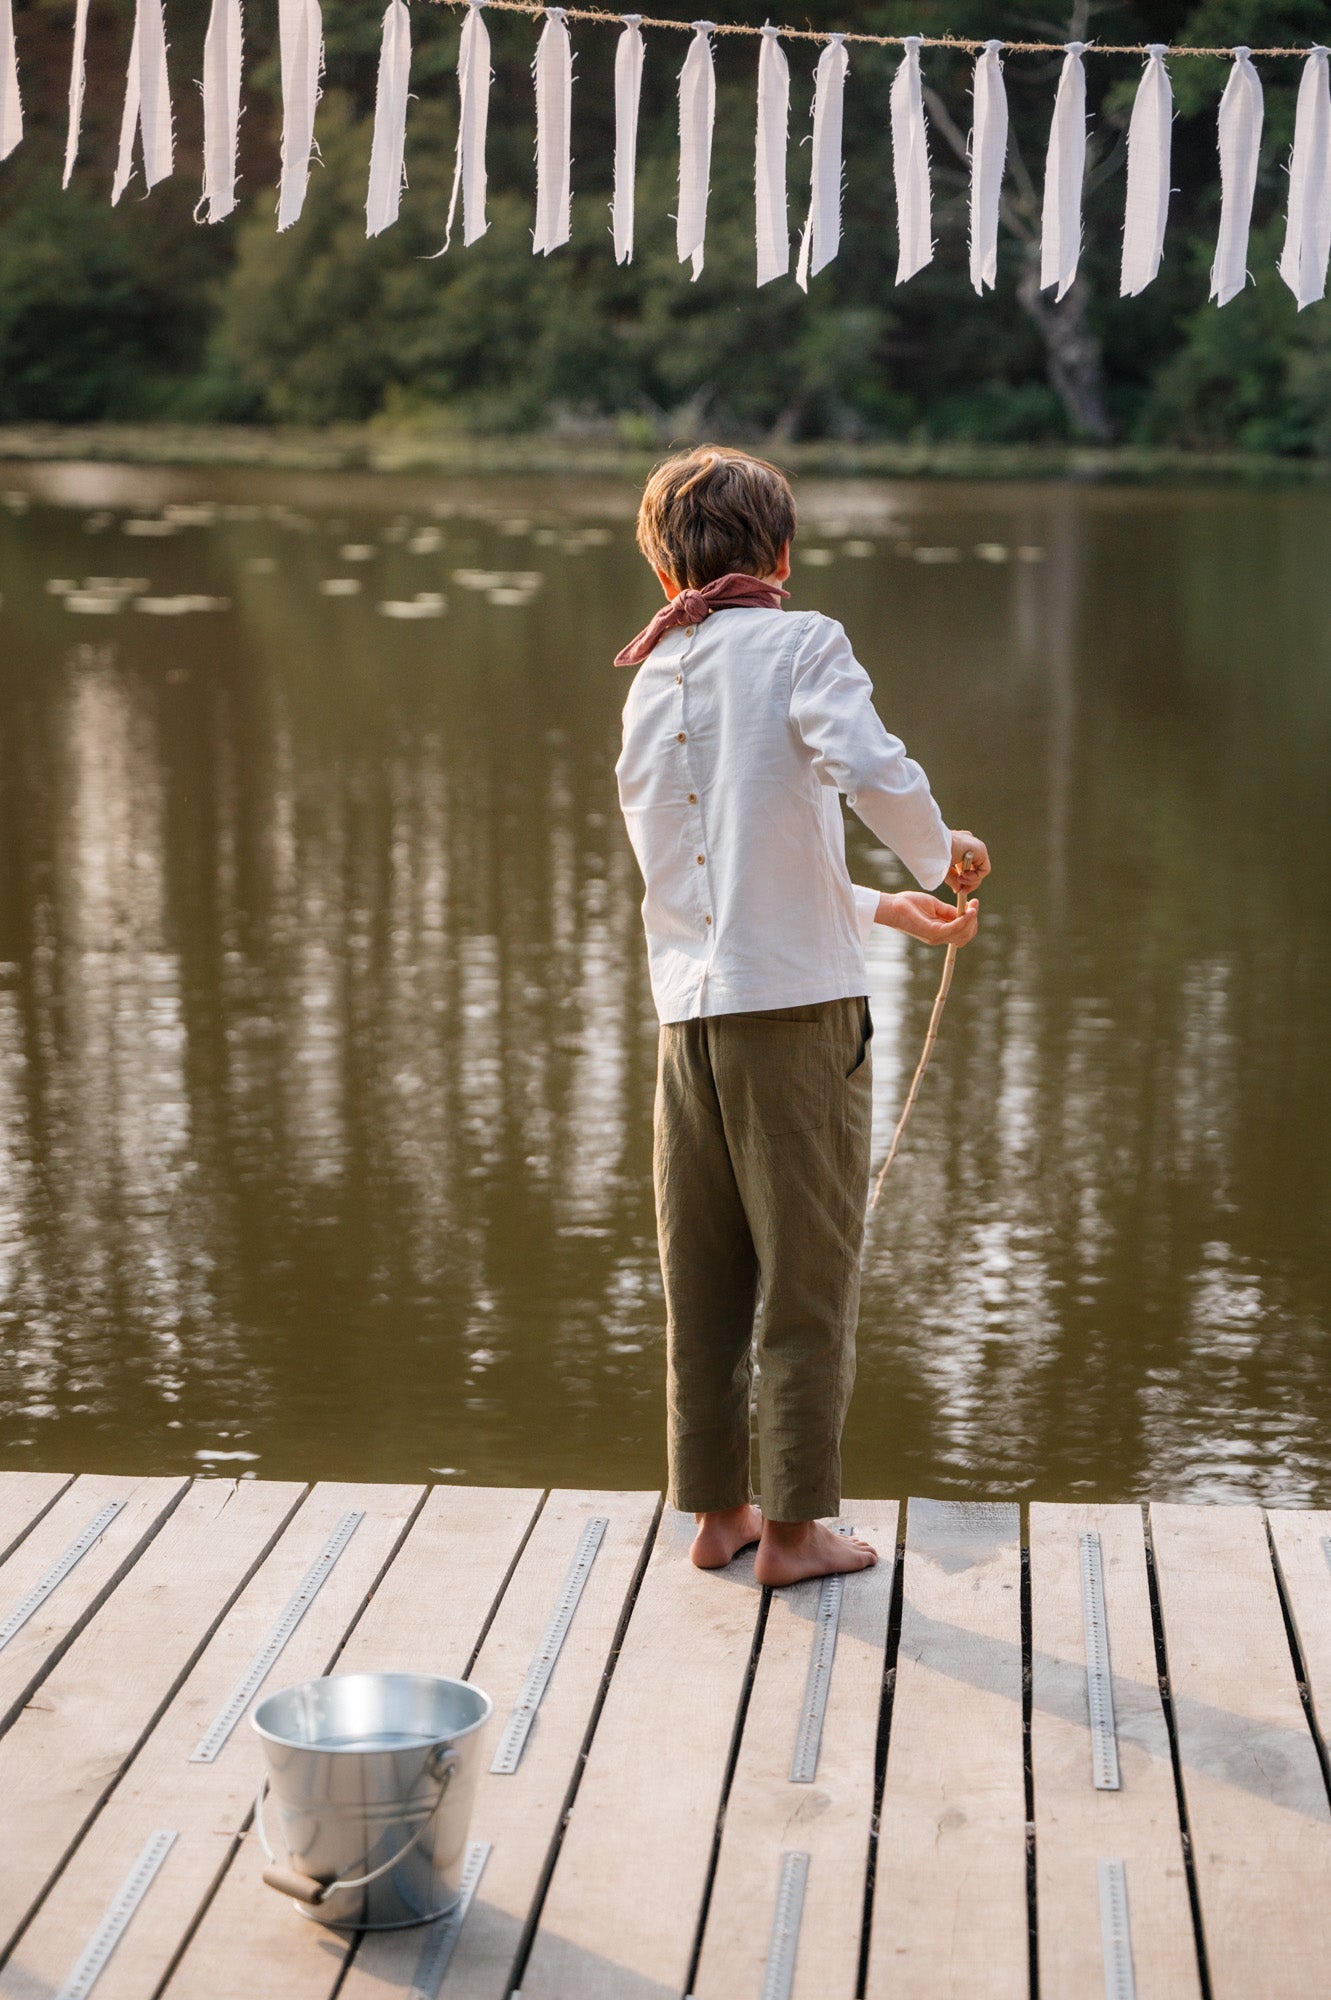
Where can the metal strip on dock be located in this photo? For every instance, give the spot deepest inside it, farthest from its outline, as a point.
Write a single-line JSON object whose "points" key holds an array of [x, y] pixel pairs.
{"points": [[822, 1654], [211, 1743], [439, 1945], [784, 1943], [1099, 1680], [513, 1741], [119, 1912], [58, 1571], [1115, 1933]]}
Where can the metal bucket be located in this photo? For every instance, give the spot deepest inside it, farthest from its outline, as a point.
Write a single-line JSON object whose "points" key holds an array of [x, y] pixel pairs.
{"points": [[373, 1777]]}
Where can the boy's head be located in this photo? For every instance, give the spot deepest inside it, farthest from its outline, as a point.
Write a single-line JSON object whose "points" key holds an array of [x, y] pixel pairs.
{"points": [[714, 512]]}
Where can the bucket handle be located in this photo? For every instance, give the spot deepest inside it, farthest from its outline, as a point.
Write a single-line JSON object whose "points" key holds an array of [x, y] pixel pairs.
{"points": [[308, 1888]]}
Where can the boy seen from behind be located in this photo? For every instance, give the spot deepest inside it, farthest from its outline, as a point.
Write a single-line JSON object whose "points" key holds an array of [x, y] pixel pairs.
{"points": [[744, 727]]}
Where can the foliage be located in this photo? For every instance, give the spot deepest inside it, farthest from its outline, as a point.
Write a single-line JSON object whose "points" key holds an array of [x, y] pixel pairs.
{"points": [[141, 311]]}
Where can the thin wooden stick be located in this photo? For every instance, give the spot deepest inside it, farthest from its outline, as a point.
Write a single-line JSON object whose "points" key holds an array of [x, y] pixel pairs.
{"points": [[940, 1001]]}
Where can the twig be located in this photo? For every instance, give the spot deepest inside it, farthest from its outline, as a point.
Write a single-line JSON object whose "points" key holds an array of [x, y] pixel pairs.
{"points": [[940, 1000]]}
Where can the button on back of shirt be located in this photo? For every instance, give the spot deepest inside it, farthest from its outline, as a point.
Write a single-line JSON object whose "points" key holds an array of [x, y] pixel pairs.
{"points": [[680, 738]]}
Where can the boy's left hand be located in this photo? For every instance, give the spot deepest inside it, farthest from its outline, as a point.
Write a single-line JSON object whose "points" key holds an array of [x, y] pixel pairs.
{"points": [[926, 918]]}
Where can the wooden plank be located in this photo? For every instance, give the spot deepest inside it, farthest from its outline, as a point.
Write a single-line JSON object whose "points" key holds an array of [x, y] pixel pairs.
{"points": [[950, 1911], [1302, 1543], [207, 1805], [520, 1814], [622, 1910], [829, 1820], [75, 1736], [426, 1616], [24, 1498], [1077, 1826], [1256, 1800], [33, 1651]]}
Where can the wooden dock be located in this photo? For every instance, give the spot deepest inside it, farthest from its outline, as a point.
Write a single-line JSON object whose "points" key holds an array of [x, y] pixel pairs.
{"points": [[956, 1844]]}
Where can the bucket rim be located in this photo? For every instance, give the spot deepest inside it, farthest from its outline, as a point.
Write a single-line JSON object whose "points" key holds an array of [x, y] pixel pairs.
{"points": [[358, 1750]]}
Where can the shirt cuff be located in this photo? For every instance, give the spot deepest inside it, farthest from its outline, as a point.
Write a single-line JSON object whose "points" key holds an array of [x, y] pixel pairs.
{"points": [[866, 910]]}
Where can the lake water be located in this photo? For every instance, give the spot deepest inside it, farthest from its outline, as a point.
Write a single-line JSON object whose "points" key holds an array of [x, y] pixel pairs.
{"points": [[326, 1047]]}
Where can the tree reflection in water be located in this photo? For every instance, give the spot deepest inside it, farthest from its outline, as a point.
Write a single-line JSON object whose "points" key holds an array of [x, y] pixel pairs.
{"points": [[326, 1051]]}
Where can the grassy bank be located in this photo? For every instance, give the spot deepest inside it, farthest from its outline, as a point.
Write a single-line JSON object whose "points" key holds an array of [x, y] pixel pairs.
{"points": [[377, 447]]}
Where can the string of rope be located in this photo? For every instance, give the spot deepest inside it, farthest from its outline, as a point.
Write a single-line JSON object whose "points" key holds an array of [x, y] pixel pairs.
{"points": [[961, 42]]}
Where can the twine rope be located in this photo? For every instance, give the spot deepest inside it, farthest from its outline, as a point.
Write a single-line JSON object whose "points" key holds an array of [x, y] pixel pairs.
{"points": [[962, 43]]}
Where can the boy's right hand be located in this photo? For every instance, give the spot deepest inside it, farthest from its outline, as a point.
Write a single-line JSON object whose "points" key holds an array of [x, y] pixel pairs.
{"points": [[963, 875]]}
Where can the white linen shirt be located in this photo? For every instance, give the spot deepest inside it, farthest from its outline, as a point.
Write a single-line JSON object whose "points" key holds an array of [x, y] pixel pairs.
{"points": [[740, 735]]}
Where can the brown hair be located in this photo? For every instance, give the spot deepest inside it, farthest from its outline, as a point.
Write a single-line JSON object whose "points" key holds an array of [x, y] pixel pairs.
{"points": [[713, 511]]}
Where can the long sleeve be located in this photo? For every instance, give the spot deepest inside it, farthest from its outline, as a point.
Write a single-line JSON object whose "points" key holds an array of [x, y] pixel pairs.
{"points": [[831, 706], [866, 910]]}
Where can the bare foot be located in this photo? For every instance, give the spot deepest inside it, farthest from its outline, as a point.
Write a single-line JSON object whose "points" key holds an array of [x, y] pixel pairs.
{"points": [[723, 1534], [791, 1551]]}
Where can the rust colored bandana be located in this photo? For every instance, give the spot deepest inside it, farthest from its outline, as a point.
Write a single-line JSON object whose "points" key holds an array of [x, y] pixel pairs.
{"points": [[692, 606]]}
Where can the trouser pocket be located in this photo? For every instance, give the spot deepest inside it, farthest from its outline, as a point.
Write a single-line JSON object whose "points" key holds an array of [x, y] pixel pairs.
{"points": [[866, 1036]]}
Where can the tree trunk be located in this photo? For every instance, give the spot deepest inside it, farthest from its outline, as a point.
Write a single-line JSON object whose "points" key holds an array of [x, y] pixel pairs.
{"points": [[1072, 352]]}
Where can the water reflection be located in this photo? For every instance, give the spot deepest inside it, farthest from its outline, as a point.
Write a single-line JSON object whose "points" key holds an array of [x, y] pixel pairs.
{"points": [[326, 1051]]}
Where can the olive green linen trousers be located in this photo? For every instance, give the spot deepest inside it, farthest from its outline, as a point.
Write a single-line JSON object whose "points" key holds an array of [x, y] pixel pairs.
{"points": [[762, 1134]]}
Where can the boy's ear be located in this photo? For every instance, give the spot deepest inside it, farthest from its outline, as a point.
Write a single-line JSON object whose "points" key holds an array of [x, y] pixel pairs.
{"points": [[782, 570], [668, 584]]}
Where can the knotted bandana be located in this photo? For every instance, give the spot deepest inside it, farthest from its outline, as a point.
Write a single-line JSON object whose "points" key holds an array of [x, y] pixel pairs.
{"points": [[692, 606]]}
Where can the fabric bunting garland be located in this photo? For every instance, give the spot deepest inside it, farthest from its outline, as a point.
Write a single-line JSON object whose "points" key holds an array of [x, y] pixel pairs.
{"points": [[553, 69], [76, 78], [473, 114], [11, 106], [1240, 136], [147, 101], [1303, 260], [300, 32], [1065, 169], [697, 113], [910, 165], [822, 231], [221, 109], [387, 177], [1148, 176], [988, 159], [628, 94], [772, 222]]}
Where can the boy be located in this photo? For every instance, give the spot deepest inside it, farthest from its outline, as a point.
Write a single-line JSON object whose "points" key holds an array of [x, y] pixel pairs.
{"points": [[742, 729]]}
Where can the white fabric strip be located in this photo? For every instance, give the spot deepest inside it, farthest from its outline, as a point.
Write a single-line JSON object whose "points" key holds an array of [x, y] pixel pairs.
{"points": [[553, 70], [11, 105], [1240, 136], [1065, 169], [1147, 207], [697, 111], [1303, 260], [147, 101], [129, 120], [771, 214], [221, 109], [300, 32], [473, 113], [988, 159], [910, 165], [822, 231], [77, 70], [628, 93], [390, 121]]}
